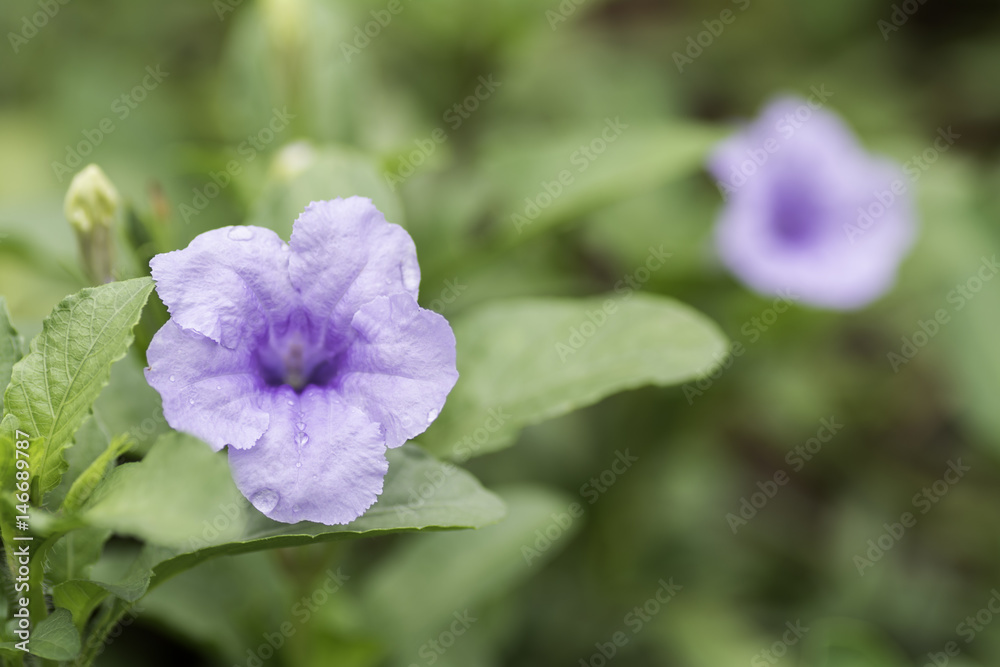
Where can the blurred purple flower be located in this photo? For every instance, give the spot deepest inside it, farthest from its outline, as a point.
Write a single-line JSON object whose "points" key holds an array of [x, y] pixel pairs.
{"points": [[307, 359], [808, 210]]}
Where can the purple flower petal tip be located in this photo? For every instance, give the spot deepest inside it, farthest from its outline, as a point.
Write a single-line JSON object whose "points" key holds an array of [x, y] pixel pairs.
{"points": [[809, 214], [308, 359]]}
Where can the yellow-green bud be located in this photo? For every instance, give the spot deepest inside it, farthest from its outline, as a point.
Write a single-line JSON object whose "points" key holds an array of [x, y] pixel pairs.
{"points": [[91, 206]]}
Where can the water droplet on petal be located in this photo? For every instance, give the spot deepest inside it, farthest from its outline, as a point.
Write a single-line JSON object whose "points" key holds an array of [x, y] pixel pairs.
{"points": [[301, 439], [432, 415], [295, 508], [190, 401], [291, 402], [411, 276], [265, 500], [172, 378], [240, 234], [301, 426], [218, 387], [298, 465]]}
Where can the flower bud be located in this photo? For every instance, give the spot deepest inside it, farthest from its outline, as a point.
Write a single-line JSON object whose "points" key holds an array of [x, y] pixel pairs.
{"points": [[92, 203]]}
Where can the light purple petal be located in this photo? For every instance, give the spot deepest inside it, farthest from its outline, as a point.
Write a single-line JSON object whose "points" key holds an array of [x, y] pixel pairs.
{"points": [[321, 460], [798, 181], [344, 254], [401, 366], [208, 391], [228, 284]]}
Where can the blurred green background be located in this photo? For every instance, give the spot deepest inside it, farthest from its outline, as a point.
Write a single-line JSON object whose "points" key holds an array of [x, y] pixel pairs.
{"points": [[306, 105]]}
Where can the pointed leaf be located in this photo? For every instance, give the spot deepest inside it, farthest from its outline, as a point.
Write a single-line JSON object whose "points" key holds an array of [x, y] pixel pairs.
{"points": [[523, 361], [53, 388]]}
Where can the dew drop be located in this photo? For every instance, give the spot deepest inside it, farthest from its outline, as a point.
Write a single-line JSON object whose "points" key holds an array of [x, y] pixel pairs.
{"points": [[295, 508], [190, 401], [298, 465], [240, 234], [265, 500], [172, 378], [301, 439], [432, 415], [218, 387], [301, 426], [291, 402], [410, 275]]}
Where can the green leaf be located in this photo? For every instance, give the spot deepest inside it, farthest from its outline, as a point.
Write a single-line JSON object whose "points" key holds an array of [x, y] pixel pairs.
{"points": [[72, 556], [53, 388], [580, 179], [10, 348], [56, 638], [80, 598], [167, 497], [524, 361], [414, 593], [95, 472], [420, 493], [330, 173], [89, 441]]}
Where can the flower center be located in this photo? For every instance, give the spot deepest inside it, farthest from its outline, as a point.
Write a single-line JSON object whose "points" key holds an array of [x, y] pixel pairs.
{"points": [[797, 218], [295, 359]]}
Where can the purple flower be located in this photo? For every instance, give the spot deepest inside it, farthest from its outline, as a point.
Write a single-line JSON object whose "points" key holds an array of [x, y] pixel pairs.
{"points": [[808, 210], [306, 359]]}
